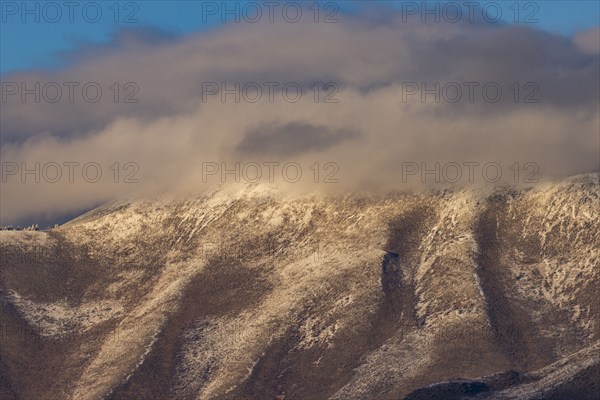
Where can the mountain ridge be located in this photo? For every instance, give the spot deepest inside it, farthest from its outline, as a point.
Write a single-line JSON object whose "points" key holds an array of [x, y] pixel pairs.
{"points": [[244, 293]]}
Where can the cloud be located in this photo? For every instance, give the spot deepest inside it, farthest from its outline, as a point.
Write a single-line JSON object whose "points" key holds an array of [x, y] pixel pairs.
{"points": [[547, 112], [589, 41], [290, 139]]}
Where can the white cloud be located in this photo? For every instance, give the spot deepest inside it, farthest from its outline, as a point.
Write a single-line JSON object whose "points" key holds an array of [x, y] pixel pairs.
{"points": [[171, 131]]}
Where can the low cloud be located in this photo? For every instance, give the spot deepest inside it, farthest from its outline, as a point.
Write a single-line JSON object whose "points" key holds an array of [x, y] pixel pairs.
{"points": [[290, 139], [589, 41], [547, 112]]}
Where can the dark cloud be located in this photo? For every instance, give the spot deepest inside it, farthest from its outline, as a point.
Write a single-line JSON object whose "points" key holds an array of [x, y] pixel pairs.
{"points": [[291, 139]]}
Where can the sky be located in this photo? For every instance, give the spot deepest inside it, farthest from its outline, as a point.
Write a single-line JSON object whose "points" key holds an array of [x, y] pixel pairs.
{"points": [[171, 99], [26, 43]]}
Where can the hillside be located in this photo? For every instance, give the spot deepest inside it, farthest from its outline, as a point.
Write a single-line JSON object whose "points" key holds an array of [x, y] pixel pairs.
{"points": [[249, 294]]}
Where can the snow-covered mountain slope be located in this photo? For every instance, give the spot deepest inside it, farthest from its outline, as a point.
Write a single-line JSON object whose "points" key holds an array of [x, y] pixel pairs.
{"points": [[249, 294]]}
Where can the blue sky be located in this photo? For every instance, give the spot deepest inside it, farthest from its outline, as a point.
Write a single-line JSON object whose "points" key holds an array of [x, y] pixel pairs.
{"points": [[44, 44]]}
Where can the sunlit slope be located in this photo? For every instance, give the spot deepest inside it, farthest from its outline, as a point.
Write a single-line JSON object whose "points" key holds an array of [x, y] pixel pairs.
{"points": [[247, 293]]}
